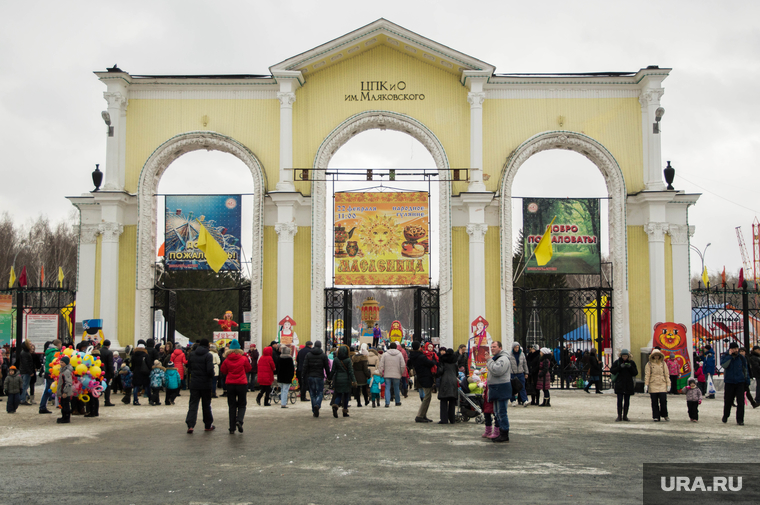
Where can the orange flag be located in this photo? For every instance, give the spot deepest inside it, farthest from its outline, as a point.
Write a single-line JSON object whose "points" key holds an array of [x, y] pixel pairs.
{"points": [[42, 276]]}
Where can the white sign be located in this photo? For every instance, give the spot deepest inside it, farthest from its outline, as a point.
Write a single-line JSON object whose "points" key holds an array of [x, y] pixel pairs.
{"points": [[246, 346], [219, 335], [41, 328], [247, 316]]}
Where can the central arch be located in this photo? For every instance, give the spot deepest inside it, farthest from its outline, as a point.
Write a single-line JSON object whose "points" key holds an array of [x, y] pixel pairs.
{"points": [[383, 120], [613, 177], [150, 176]]}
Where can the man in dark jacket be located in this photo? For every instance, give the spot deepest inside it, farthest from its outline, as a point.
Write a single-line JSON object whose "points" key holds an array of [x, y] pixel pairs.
{"points": [[26, 370], [201, 365], [462, 359], [299, 368], [735, 376], [275, 352], [315, 367], [106, 357], [424, 379]]}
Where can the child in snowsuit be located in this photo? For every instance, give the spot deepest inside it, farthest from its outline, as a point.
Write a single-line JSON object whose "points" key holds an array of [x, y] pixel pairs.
{"points": [[157, 375], [13, 385], [126, 382], [64, 389], [172, 383], [693, 399], [375, 383]]}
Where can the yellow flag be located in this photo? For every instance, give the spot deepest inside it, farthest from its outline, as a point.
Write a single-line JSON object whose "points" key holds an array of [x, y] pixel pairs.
{"points": [[705, 279], [216, 256], [60, 277], [12, 279], [544, 249]]}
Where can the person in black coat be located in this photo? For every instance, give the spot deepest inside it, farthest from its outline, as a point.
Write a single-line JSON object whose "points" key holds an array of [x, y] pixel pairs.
{"points": [[626, 370], [533, 359], [141, 367], [423, 373], [201, 365], [285, 369], [299, 368], [275, 351], [447, 391], [594, 373], [315, 367], [25, 370], [106, 357]]}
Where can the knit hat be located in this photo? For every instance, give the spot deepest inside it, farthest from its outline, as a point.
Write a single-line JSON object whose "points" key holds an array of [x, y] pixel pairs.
{"points": [[123, 365], [65, 360], [12, 368], [318, 344], [141, 346], [156, 363], [235, 344], [285, 350], [692, 381], [625, 351], [545, 350], [171, 363], [733, 345], [416, 345], [203, 342]]}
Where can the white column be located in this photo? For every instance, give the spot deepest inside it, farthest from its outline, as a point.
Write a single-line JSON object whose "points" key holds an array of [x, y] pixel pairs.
{"points": [[88, 235], [109, 277], [679, 241], [117, 109], [287, 98], [286, 233], [650, 101], [656, 233], [476, 100], [477, 233]]}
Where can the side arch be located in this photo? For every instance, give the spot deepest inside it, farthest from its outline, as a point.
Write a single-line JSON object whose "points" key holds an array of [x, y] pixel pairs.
{"points": [[613, 177], [352, 126], [150, 176]]}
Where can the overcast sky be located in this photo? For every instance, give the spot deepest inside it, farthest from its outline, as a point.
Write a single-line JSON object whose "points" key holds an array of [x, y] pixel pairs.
{"points": [[51, 133]]}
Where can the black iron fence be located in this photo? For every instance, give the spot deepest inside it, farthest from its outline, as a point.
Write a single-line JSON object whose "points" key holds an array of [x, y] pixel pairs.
{"points": [[722, 315]]}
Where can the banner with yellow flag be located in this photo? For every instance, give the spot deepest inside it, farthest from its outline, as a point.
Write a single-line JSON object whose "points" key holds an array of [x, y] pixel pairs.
{"points": [[12, 278], [705, 278], [216, 256]]}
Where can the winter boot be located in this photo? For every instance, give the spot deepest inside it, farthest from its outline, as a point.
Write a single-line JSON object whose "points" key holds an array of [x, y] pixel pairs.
{"points": [[487, 434], [494, 432], [345, 412], [548, 402], [335, 411], [503, 436], [544, 403], [373, 404]]}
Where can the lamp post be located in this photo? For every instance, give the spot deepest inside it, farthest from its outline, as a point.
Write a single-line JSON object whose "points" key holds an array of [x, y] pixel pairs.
{"points": [[701, 254]]}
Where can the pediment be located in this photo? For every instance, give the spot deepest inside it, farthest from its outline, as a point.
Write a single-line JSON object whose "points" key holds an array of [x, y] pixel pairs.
{"points": [[380, 32]]}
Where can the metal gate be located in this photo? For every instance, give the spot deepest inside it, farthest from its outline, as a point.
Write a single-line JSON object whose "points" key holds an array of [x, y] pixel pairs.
{"points": [[338, 311], [426, 315], [568, 321], [40, 300]]}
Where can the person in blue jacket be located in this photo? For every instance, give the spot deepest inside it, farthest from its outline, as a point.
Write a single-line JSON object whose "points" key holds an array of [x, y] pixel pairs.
{"points": [[708, 368], [735, 377]]}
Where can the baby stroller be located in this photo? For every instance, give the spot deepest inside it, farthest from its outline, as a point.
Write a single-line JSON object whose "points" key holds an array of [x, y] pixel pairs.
{"points": [[469, 406]]}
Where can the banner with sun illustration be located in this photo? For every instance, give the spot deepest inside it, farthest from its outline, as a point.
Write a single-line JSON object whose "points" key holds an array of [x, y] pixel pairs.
{"points": [[381, 239]]}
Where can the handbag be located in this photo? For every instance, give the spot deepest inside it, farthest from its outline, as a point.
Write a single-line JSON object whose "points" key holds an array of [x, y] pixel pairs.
{"points": [[516, 385]]}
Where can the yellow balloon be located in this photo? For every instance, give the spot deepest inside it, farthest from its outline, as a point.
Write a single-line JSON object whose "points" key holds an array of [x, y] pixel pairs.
{"points": [[54, 387], [68, 352], [56, 369], [98, 363], [74, 361], [95, 371], [80, 369]]}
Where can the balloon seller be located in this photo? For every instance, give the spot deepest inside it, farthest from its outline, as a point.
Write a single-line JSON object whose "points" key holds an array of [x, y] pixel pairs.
{"points": [[79, 376]]}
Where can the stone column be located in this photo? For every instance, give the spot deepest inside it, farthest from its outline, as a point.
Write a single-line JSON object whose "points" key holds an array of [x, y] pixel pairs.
{"points": [[117, 109], [287, 98], [679, 241], [477, 233], [109, 278], [88, 235], [656, 233], [650, 101], [286, 233], [476, 100]]}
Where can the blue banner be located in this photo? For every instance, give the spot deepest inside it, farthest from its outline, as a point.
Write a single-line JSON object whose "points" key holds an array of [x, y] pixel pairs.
{"points": [[220, 214]]}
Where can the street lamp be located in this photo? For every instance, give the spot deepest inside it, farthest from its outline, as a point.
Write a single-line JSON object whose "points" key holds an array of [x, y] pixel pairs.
{"points": [[701, 254]]}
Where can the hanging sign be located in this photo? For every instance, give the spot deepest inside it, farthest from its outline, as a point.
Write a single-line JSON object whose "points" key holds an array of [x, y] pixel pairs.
{"points": [[574, 236], [381, 239], [220, 215], [6, 319]]}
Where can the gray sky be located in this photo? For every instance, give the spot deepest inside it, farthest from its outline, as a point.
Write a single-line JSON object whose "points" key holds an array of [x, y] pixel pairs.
{"points": [[50, 102]]}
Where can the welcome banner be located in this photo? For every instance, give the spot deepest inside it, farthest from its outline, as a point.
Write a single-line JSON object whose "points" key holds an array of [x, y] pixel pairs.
{"points": [[381, 239], [575, 234], [220, 214]]}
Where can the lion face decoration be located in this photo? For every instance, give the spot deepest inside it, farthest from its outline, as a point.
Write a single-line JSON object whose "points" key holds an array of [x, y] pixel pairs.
{"points": [[669, 336]]}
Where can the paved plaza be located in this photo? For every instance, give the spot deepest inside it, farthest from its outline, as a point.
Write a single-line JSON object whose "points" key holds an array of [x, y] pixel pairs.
{"points": [[572, 452]]}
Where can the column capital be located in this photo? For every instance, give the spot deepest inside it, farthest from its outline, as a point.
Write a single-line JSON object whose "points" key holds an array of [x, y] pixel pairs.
{"points": [[656, 231], [651, 97], [110, 231], [286, 231], [116, 100], [88, 234], [286, 98], [476, 99], [477, 231], [680, 233]]}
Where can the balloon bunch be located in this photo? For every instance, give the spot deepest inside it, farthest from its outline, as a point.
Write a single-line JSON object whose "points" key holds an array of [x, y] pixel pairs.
{"points": [[88, 375]]}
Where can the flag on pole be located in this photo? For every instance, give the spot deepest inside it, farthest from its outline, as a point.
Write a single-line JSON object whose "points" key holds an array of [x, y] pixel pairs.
{"points": [[12, 279], [216, 256], [544, 249], [723, 277], [741, 278], [42, 276], [60, 277], [22, 281], [705, 279]]}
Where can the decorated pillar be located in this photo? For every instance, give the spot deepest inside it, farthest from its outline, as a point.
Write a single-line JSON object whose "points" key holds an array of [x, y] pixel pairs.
{"points": [[477, 233], [85, 285], [286, 233], [475, 80], [656, 233], [109, 277], [289, 81], [116, 142], [649, 99], [679, 241]]}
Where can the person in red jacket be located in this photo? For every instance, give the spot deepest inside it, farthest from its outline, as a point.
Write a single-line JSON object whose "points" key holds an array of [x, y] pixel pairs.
{"points": [[180, 362], [266, 375], [235, 367]]}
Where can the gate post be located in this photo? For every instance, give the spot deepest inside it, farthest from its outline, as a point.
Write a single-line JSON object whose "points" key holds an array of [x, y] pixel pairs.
{"points": [[562, 353], [745, 314], [348, 311], [19, 322], [417, 315]]}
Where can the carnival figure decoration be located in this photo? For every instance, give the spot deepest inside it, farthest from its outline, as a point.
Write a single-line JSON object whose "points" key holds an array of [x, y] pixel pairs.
{"points": [[396, 333], [286, 335], [479, 344], [671, 339], [227, 323]]}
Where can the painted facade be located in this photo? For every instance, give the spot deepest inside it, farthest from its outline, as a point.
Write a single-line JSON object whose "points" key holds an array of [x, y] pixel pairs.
{"points": [[383, 76]]}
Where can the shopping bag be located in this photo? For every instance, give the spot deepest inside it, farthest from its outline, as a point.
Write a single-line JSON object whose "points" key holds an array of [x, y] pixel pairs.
{"points": [[710, 386]]}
